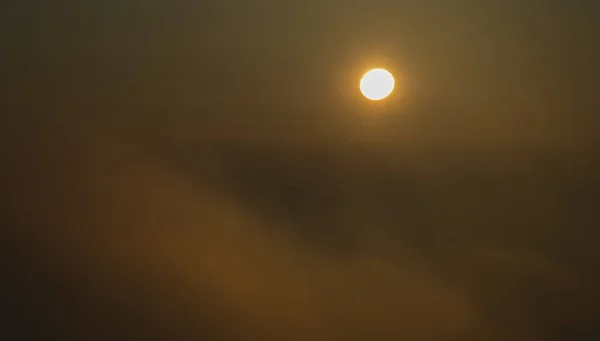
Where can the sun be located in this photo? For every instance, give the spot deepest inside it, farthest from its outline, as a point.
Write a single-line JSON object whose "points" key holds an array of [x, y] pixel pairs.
{"points": [[377, 84]]}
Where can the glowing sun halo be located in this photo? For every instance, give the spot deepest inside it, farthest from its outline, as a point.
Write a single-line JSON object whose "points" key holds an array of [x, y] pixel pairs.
{"points": [[377, 84]]}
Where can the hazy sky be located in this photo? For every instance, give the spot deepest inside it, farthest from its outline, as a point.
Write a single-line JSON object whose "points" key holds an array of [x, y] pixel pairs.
{"points": [[207, 170]]}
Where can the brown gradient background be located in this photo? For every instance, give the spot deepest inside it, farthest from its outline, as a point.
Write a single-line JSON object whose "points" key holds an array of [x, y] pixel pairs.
{"points": [[204, 170]]}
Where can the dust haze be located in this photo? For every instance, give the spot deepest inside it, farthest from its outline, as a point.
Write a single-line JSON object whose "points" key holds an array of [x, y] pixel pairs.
{"points": [[204, 172]]}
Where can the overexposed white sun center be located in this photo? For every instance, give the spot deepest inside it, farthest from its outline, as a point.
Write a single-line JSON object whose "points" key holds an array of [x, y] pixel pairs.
{"points": [[377, 84]]}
